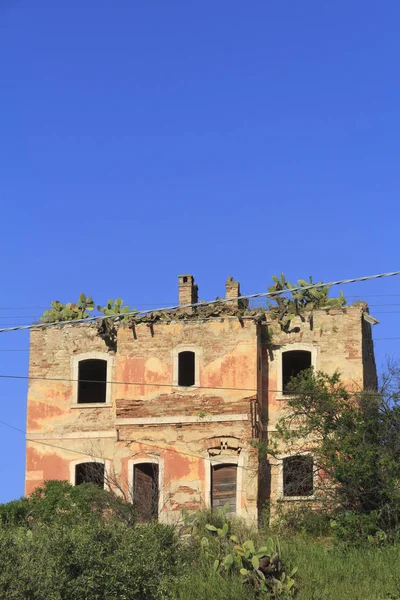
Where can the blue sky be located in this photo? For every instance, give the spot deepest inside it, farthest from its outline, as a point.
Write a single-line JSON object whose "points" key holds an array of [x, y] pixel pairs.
{"points": [[139, 140]]}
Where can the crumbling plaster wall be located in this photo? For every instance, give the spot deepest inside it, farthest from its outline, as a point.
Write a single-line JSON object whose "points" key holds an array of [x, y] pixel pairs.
{"points": [[175, 424], [337, 339]]}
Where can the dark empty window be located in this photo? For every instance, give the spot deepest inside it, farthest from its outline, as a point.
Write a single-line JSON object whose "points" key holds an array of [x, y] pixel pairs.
{"points": [[145, 491], [92, 377], [186, 368], [90, 472], [293, 363], [298, 476], [223, 487]]}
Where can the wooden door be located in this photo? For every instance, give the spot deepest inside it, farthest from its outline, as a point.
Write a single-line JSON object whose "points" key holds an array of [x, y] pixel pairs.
{"points": [[145, 491], [223, 487]]}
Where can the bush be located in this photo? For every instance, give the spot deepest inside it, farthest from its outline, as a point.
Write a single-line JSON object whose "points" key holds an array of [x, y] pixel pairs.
{"points": [[91, 561], [59, 500], [73, 543], [303, 520]]}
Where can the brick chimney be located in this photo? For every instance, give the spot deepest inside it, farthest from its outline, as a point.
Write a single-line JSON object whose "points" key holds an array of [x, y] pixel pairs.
{"points": [[188, 290], [233, 291]]}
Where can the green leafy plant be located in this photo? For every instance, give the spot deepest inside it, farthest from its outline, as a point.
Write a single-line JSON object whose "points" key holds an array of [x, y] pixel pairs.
{"points": [[354, 439], [107, 328], [70, 311], [115, 307], [260, 568], [301, 302]]}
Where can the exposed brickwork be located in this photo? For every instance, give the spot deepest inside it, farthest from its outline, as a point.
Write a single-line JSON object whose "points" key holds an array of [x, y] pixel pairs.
{"points": [[188, 290], [184, 428]]}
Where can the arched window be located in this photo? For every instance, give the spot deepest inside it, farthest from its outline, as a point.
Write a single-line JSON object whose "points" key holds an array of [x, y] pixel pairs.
{"points": [[293, 363], [298, 476], [223, 487], [92, 381], [186, 368], [89, 472], [146, 490]]}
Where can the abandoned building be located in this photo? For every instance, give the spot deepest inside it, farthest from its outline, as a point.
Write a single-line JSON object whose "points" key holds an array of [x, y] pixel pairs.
{"points": [[165, 408]]}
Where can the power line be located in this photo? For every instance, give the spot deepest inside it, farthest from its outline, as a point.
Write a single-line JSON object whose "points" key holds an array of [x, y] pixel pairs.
{"points": [[200, 304], [3, 317], [86, 453], [155, 305], [168, 385], [262, 344], [138, 384]]}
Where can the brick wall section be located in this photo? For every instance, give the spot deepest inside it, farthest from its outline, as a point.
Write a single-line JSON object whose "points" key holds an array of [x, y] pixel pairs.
{"points": [[238, 363], [338, 336], [188, 290], [344, 343], [49, 401], [180, 404], [227, 358]]}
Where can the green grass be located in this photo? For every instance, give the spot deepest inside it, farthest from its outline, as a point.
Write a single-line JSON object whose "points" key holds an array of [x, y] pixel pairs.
{"points": [[202, 584], [338, 573], [327, 569], [325, 572]]}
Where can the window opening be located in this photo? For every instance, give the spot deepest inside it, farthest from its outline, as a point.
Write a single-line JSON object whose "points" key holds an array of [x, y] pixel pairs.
{"points": [[293, 363], [90, 472], [298, 476], [186, 368], [92, 381]]}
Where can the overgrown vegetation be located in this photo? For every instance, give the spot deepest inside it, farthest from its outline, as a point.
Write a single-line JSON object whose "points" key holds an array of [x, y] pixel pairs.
{"points": [[301, 302], [260, 566], [70, 311], [81, 310], [355, 441], [285, 309], [69, 543]]}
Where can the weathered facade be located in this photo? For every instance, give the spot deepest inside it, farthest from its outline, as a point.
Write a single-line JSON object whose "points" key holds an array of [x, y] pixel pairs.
{"points": [[168, 412]]}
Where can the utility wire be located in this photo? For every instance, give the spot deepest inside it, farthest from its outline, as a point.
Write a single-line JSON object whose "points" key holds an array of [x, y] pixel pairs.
{"points": [[154, 305], [208, 303], [168, 385], [101, 458]]}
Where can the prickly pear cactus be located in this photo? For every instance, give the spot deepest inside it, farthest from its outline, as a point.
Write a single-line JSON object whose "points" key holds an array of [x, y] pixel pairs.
{"points": [[299, 302], [68, 312], [53, 314], [114, 307]]}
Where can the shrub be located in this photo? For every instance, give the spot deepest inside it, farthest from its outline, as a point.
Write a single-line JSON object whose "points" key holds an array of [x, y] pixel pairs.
{"points": [[59, 500], [91, 561]]}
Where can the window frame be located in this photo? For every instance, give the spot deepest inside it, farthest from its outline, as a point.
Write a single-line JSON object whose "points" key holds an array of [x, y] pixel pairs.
{"points": [[104, 356], [198, 355], [279, 352], [183, 369], [280, 490], [88, 459]]}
